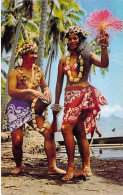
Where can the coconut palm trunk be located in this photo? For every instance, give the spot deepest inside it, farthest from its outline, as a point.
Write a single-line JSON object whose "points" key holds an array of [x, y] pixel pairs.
{"points": [[43, 28], [11, 66]]}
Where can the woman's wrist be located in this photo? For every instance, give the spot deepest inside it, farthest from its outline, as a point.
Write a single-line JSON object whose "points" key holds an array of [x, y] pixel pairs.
{"points": [[46, 89], [56, 107]]}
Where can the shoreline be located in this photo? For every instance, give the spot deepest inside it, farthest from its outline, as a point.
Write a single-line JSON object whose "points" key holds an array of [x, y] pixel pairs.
{"points": [[107, 175]]}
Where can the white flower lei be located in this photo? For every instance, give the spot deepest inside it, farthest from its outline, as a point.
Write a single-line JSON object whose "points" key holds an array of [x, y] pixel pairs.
{"points": [[69, 71], [34, 120]]}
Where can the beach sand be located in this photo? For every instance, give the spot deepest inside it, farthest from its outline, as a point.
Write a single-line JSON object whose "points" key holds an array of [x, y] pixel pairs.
{"points": [[107, 178]]}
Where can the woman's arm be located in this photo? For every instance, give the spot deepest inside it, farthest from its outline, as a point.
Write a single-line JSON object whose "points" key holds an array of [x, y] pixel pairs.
{"points": [[102, 62], [59, 82]]}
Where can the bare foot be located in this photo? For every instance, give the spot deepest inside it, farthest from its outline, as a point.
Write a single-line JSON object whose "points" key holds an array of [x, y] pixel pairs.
{"points": [[70, 173], [85, 171], [56, 171], [17, 170]]}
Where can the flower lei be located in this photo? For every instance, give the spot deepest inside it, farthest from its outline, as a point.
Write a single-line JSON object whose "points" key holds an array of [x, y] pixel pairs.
{"points": [[34, 120], [36, 76], [69, 71]]}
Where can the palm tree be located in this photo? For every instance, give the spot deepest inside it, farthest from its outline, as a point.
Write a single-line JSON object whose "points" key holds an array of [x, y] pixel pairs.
{"points": [[10, 15], [26, 5], [64, 14], [43, 27]]}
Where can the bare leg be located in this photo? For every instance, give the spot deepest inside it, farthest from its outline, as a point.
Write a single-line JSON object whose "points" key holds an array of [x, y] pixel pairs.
{"points": [[17, 141], [98, 132], [50, 149], [84, 150], [67, 131]]}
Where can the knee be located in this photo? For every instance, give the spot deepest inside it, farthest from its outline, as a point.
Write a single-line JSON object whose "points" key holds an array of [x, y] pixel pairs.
{"points": [[80, 134], [64, 130], [48, 134], [17, 141]]}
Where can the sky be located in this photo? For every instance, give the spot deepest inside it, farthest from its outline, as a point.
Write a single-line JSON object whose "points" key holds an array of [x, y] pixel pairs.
{"points": [[110, 85]]}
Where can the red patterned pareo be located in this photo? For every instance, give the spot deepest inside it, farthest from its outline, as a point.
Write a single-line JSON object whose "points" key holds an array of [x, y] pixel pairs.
{"points": [[78, 99]]}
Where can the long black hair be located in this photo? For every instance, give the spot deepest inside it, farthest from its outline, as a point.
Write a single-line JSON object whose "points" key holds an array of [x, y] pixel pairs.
{"points": [[83, 47]]}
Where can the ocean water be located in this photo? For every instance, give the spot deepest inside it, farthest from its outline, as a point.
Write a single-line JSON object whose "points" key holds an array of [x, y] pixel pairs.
{"points": [[97, 153]]}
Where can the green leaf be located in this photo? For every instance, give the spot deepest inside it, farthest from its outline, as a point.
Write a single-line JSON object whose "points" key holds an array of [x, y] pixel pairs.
{"points": [[11, 20], [32, 27]]}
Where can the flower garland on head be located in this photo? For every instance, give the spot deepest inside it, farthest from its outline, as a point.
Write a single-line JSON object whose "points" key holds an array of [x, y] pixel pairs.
{"points": [[22, 48], [71, 78], [25, 46], [76, 30]]}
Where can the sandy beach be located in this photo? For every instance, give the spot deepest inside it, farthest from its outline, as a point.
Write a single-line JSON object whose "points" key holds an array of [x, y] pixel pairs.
{"points": [[107, 178]]}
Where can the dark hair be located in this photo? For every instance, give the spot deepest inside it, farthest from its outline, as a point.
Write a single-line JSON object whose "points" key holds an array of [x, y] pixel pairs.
{"points": [[83, 48]]}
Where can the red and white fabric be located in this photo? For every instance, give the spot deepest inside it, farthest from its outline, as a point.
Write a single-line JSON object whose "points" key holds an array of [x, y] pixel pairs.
{"points": [[79, 99]]}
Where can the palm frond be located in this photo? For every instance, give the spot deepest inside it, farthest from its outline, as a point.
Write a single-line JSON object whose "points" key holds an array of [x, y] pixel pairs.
{"points": [[28, 6], [2, 30], [8, 4], [93, 68], [4, 73], [68, 21], [6, 60], [31, 26], [75, 16], [62, 47], [81, 12], [103, 71], [11, 21]]}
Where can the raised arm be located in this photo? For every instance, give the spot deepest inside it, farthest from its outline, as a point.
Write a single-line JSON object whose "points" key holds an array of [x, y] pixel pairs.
{"points": [[102, 62]]}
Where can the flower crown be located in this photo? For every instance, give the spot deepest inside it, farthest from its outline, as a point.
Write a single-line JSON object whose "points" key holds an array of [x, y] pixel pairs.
{"points": [[76, 30], [25, 46]]}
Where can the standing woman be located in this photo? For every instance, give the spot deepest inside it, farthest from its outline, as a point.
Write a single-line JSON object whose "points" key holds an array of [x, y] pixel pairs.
{"points": [[82, 101]]}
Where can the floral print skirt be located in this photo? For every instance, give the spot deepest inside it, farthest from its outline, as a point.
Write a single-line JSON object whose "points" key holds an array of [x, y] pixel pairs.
{"points": [[82, 100]]}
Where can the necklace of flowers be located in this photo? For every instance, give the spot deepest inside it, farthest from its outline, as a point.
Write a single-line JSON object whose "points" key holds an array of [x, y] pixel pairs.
{"points": [[34, 120], [71, 78], [36, 76]]}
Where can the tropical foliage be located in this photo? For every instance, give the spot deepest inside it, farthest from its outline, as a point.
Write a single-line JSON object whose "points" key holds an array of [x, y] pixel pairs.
{"points": [[10, 13], [22, 19]]}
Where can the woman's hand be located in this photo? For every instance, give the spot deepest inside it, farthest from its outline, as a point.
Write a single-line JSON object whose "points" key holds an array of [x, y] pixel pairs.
{"points": [[104, 39]]}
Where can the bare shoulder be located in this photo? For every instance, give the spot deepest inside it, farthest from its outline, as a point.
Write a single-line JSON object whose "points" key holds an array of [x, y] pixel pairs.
{"points": [[13, 72], [62, 60]]}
